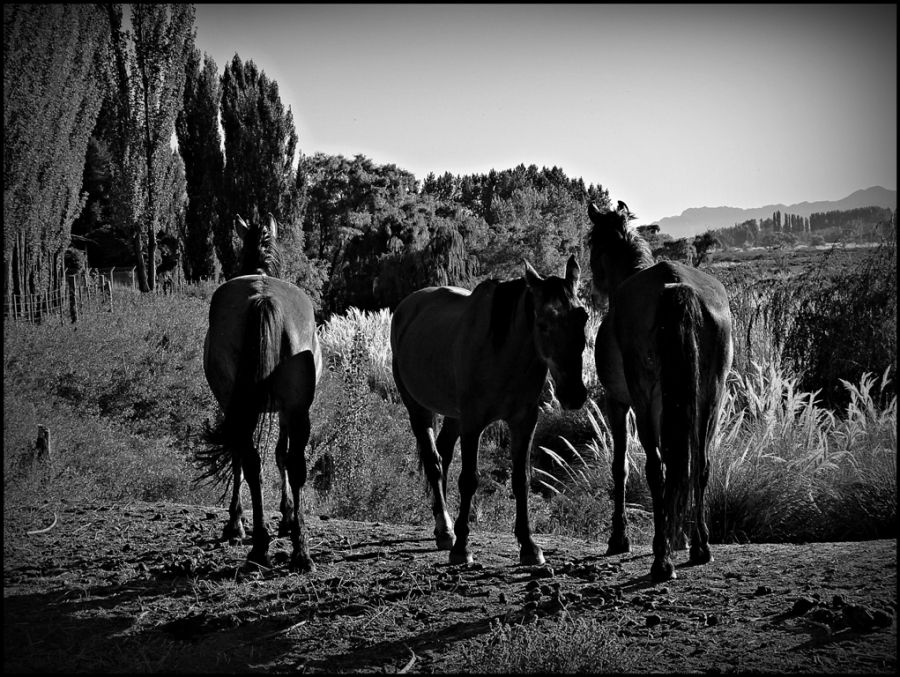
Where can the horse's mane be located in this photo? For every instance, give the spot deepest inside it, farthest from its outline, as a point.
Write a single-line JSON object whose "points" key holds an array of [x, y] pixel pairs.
{"points": [[261, 254], [504, 301], [616, 237]]}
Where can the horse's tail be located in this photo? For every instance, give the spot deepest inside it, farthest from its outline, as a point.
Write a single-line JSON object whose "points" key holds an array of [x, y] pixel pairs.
{"points": [[680, 318], [260, 353]]}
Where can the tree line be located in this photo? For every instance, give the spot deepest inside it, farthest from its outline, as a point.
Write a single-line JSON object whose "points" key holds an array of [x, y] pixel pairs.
{"points": [[864, 223], [94, 96]]}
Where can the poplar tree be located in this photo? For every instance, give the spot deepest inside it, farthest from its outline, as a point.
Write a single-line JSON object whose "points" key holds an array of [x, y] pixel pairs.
{"points": [[199, 143], [148, 81], [52, 58], [260, 144]]}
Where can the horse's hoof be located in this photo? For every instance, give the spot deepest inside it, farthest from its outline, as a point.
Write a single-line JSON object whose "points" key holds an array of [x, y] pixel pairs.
{"points": [[700, 555], [662, 571], [619, 547], [302, 563], [457, 557], [531, 557], [233, 534], [261, 559], [444, 541]]}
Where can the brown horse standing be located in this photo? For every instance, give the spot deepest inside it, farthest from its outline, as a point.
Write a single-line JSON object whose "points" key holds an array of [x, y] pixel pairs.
{"points": [[261, 354], [664, 349], [478, 358]]}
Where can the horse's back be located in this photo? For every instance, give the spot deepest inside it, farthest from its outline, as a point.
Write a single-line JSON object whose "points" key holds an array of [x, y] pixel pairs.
{"points": [[229, 309], [628, 345], [424, 327], [638, 298]]}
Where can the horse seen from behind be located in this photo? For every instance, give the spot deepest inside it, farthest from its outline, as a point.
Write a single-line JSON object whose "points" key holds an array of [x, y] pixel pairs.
{"points": [[664, 349], [261, 355], [474, 358]]}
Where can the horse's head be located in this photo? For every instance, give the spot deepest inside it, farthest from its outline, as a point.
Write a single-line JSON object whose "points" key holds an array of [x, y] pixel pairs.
{"points": [[617, 251], [260, 254], [559, 325]]}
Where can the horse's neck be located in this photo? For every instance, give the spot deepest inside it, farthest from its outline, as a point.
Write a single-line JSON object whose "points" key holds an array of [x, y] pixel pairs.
{"points": [[624, 272], [521, 326]]}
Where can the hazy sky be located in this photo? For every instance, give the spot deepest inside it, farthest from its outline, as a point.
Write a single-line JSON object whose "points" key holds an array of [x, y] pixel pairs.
{"points": [[665, 106]]}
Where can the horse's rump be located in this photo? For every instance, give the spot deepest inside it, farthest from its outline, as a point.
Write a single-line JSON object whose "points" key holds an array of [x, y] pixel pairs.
{"points": [[424, 328], [257, 324]]}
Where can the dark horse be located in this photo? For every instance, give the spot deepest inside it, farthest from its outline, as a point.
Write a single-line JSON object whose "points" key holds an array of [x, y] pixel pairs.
{"points": [[261, 355], [478, 358], [663, 349]]}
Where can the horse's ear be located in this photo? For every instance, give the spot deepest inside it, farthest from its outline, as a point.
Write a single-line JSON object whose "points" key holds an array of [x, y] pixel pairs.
{"points": [[623, 210], [594, 212], [273, 226], [240, 226], [531, 276], [573, 272]]}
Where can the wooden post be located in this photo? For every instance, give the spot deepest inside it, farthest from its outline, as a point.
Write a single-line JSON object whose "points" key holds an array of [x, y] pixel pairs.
{"points": [[110, 286], [42, 453], [73, 302]]}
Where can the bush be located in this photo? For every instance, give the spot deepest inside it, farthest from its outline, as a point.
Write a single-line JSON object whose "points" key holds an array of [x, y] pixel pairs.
{"points": [[561, 645], [845, 324]]}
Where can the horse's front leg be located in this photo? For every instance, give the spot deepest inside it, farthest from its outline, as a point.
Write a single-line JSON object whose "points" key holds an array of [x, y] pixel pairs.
{"points": [[521, 432], [468, 483], [234, 527], [617, 414]]}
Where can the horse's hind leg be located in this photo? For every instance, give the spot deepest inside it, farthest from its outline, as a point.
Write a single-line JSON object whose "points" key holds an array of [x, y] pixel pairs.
{"points": [[244, 428], [618, 540], [296, 467], [259, 553], [234, 527], [295, 386], [662, 568], [699, 553], [422, 422], [281, 451], [521, 431]]}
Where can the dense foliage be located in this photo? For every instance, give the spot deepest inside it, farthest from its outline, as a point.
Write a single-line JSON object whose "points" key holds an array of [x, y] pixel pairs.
{"points": [[53, 60]]}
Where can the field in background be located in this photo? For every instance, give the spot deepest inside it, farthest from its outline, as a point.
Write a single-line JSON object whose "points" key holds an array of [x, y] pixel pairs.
{"points": [[801, 454]]}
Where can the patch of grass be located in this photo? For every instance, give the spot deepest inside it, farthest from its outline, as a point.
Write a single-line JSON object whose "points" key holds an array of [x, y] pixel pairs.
{"points": [[561, 645]]}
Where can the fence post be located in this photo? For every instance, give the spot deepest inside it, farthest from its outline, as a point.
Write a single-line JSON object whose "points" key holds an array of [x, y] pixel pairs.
{"points": [[110, 286], [73, 304]]}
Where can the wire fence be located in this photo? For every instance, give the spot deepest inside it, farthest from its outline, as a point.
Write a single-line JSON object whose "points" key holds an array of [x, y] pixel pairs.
{"points": [[89, 290]]}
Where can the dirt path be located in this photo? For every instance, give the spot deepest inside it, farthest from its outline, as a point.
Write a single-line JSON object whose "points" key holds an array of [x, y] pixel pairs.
{"points": [[148, 587]]}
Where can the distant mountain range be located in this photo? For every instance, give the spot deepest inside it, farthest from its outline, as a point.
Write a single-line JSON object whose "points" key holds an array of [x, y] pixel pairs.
{"points": [[697, 220]]}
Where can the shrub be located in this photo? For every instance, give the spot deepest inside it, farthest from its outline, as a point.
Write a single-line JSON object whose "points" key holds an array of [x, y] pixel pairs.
{"points": [[782, 464], [558, 645], [845, 324]]}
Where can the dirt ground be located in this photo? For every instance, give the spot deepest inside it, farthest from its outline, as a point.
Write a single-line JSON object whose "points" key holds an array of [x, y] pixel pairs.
{"points": [[150, 588]]}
